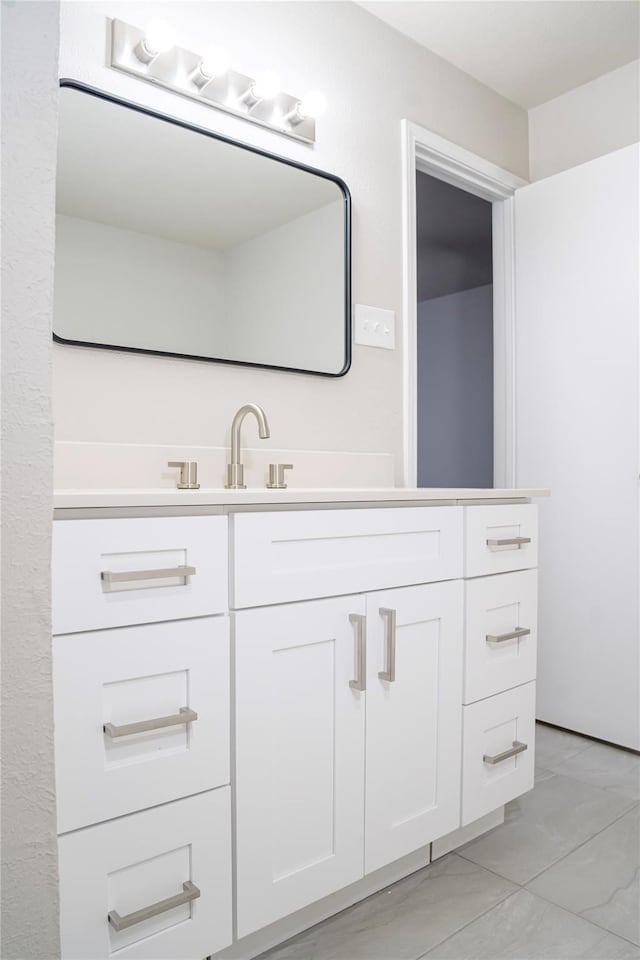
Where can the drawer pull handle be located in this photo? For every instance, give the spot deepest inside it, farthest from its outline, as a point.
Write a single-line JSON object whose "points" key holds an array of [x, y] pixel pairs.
{"points": [[390, 622], [514, 635], [127, 576], [142, 726], [513, 752], [360, 623], [516, 542], [189, 892]]}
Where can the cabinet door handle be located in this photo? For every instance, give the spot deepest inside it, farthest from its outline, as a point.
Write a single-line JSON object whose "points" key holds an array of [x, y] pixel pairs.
{"points": [[514, 635], [142, 726], [390, 624], [515, 542], [360, 624], [126, 576], [516, 748], [189, 892]]}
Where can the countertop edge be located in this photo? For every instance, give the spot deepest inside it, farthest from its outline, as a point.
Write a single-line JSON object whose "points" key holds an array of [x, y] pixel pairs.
{"points": [[72, 504]]}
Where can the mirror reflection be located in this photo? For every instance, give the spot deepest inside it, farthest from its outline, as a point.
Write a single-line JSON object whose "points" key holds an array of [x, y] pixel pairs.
{"points": [[169, 240]]}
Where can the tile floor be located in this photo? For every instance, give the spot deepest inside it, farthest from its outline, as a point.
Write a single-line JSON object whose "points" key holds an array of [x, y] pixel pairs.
{"points": [[559, 879]]}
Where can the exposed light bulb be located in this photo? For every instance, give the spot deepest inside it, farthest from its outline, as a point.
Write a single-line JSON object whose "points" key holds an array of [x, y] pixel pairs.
{"points": [[312, 106], [309, 108], [159, 37], [215, 62], [266, 86]]}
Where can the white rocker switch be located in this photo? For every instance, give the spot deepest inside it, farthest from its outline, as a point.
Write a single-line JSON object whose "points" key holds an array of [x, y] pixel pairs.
{"points": [[375, 327]]}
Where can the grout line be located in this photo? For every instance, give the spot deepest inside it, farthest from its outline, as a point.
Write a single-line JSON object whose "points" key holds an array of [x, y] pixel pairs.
{"points": [[553, 863], [620, 816], [580, 917], [479, 917]]}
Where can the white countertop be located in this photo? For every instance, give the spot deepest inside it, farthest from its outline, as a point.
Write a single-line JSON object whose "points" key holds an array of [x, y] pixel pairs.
{"points": [[261, 497]]}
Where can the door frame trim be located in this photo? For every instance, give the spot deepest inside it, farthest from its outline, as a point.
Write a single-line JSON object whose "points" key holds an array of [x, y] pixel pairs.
{"points": [[430, 153]]}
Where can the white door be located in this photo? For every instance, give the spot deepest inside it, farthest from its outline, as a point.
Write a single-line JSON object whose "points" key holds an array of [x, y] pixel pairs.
{"points": [[577, 432], [414, 718], [299, 755]]}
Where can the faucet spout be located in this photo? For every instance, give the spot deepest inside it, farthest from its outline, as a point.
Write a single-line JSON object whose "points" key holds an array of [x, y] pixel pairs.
{"points": [[235, 469]]}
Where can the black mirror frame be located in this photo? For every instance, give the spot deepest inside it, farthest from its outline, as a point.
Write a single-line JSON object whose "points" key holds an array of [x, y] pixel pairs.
{"points": [[102, 95]]}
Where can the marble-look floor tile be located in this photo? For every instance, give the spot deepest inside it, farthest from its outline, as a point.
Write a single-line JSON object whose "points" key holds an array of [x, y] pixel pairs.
{"points": [[525, 927], [553, 746], [606, 767], [543, 826], [405, 920], [600, 881]]}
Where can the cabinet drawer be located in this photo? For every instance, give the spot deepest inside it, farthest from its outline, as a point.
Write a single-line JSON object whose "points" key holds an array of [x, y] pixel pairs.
{"points": [[499, 652], [280, 557], [111, 871], [99, 569], [129, 676], [500, 538], [491, 728]]}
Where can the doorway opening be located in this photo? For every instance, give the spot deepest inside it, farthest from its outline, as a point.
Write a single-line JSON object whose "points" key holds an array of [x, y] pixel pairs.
{"points": [[425, 152], [454, 273]]}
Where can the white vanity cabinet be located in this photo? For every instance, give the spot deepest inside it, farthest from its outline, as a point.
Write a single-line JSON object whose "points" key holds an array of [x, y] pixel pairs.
{"points": [[363, 678]]}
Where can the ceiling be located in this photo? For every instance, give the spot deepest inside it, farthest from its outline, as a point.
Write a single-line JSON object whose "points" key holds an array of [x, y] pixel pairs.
{"points": [[529, 51]]}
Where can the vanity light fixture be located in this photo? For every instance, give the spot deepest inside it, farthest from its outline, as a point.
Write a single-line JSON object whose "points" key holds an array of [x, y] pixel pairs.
{"points": [[209, 78], [159, 37]]}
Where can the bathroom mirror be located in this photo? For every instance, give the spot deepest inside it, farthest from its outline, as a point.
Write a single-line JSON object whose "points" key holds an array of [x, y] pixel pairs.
{"points": [[172, 240]]}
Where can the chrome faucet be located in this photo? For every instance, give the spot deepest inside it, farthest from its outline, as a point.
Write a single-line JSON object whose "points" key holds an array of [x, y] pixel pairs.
{"points": [[235, 469]]}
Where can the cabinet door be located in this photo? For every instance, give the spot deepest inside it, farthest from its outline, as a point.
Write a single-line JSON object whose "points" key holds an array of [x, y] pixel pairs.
{"points": [[578, 425], [414, 718], [299, 755]]}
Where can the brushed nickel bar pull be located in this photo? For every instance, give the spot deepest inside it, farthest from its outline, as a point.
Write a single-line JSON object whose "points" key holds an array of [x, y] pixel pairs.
{"points": [[514, 635], [390, 624], [189, 892], [516, 542], [142, 726], [513, 752], [360, 623], [127, 575]]}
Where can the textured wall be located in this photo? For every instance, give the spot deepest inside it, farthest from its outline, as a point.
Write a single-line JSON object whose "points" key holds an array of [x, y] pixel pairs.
{"points": [[29, 98], [588, 122], [372, 77]]}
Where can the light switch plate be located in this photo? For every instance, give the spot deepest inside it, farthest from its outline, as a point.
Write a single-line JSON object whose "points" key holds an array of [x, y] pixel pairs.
{"points": [[375, 327]]}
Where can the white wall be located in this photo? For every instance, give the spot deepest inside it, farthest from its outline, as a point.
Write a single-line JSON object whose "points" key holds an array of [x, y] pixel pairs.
{"points": [[372, 77], [152, 273], [29, 104], [588, 122], [279, 310]]}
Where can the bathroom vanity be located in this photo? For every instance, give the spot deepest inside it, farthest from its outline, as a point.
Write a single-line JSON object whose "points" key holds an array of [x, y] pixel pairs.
{"points": [[270, 704]]}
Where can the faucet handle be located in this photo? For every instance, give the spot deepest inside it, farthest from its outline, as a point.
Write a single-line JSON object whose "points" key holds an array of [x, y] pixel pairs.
{"points": [[276, 475], [188, 474]]}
